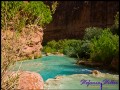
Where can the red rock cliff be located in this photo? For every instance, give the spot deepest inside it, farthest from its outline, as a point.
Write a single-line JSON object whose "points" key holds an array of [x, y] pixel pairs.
{"points": [[72, 17], [24, 45]]}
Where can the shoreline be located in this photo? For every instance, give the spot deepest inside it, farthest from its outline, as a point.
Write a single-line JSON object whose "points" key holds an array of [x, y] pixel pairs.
{"points": [[73, 81]]}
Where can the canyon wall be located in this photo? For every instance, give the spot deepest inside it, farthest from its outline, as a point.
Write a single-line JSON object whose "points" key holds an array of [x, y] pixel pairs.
{"points": [[72, 17], [22, 45]]}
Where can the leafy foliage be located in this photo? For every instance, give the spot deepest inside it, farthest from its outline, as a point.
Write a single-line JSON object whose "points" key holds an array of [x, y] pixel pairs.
{"points": [[115, 27], [36, 12], [9, 11], [54, 6], [105, 48], [70, 47], [92, 32], [15, 16], [117, 19], [18, 14], [85, 49]]}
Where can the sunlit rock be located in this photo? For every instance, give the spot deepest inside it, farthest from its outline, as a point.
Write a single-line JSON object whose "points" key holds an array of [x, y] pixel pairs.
{"points": [[30, 80]]}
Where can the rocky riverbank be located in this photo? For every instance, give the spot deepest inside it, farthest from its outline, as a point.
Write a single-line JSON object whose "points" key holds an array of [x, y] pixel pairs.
{"points": [[113, 67], [73, 81]]}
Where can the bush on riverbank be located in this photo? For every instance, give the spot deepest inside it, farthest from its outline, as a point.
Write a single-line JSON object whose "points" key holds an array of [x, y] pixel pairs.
{"points": [[92, 32], [72, 48], [99, 49], [68, 47], [105, 48]]}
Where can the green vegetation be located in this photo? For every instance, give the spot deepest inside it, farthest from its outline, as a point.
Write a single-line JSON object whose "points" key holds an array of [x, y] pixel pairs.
{"points": [[92, 32], [73, 48], [68, 47], [105, 48], [99, 46], [54, 6], [19, 14], [115, 27], [37, 13], [14, 17]]}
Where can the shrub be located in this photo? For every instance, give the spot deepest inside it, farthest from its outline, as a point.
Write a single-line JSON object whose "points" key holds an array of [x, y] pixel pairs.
{"points": [[105, 48], [54, 6], [85, 49], [18, 14], [117, 20], [9, 11], [92, 32], [70, 51], [52, 44], [61, 44], [115, 27], [48, 49], [36, 12], [68, 47]]}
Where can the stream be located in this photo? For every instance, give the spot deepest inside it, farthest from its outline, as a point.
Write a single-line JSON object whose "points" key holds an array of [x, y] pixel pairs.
{"points": [[51, 66]]}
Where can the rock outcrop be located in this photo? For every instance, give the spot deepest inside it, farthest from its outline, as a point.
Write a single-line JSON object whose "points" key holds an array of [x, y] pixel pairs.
{"points": [[23, 45], [26, 80], [30, 81], [71, 18], [32, 41]]}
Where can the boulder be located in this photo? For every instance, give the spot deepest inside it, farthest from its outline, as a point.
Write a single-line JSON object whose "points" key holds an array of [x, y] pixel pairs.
{"points": [[97, 73], [30, 80]]}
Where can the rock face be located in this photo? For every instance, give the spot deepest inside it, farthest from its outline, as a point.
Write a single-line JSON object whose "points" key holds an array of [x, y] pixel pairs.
{"points": [[71, 18], [24, 45], [30, 81], [32, 42]]}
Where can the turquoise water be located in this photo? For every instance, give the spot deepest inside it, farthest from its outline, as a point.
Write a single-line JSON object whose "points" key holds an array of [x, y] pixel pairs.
{"points": [[51, 66]]}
